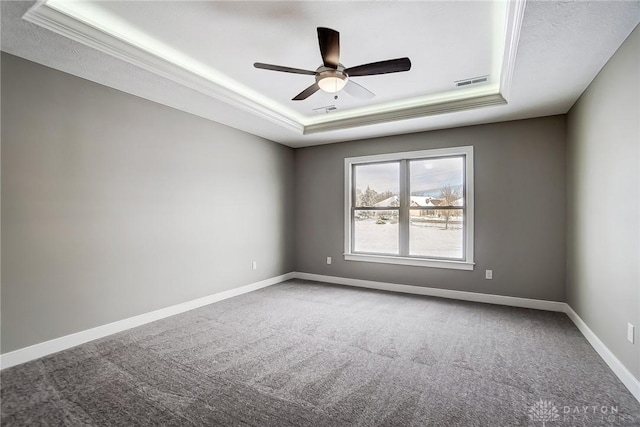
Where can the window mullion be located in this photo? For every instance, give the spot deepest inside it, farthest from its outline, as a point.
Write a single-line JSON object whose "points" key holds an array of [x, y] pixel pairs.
{"points": [[405, 200]]}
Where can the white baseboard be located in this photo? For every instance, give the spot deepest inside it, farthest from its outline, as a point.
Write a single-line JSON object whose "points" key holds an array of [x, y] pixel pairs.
{"points": [[627, 378], [442, 293], [53, 346], [58, 344]]}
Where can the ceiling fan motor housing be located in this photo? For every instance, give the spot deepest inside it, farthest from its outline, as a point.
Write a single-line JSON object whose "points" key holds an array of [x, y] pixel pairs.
{"points": [[331, 80]]}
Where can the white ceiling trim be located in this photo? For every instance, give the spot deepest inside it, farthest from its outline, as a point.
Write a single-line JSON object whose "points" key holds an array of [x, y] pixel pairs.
{"points": [[72, 27], [515, 16], [422, 110], [61, 18]]}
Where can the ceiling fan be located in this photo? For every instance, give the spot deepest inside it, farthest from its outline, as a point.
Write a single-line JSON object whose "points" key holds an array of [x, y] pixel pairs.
{"points": [[332, 76]]}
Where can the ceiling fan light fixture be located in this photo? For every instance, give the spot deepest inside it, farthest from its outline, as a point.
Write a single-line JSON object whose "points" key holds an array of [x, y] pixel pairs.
{"points": [[333, 84]]}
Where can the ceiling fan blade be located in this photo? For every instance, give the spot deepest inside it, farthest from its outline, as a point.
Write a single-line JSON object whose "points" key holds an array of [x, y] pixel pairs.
{"points": [[329, 41], [307, 92], [358, 91], [283, 69], [382, 67]]}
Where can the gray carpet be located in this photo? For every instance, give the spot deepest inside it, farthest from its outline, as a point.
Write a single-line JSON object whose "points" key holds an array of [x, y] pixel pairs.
{"points": [[309, 354]]}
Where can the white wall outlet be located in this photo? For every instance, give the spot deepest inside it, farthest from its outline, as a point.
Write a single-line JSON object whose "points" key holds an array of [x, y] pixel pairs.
{"points": [[328, 260], [254, 265], [488, 274], [630, 332]]}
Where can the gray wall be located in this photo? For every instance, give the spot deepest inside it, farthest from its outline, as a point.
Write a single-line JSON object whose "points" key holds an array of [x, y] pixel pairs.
{"points": [[519, 209], [603, 131], [113, 206]]}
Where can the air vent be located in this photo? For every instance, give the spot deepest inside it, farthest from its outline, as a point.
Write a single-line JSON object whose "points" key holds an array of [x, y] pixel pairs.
{"points": [[325, 110], [471, 81]]}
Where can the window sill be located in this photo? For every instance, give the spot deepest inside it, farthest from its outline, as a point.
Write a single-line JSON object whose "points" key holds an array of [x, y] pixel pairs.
{"points": [[386, 259]]}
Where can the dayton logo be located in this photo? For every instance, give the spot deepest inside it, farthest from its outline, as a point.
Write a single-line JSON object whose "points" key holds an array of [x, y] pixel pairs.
{"points": [[543, 411]]}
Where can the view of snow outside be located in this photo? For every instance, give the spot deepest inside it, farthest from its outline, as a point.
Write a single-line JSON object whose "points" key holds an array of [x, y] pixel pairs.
{"points": [[425, 238], [433, 232]]}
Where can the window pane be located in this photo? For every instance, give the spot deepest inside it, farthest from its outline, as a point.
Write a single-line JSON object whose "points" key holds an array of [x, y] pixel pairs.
{"points": [[377, 184], [436, 233], [376, 231], [437, 182]]}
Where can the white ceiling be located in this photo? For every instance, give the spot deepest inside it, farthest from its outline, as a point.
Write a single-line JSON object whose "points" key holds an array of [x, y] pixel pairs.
{"points": [[231, 36], [561, 46]]}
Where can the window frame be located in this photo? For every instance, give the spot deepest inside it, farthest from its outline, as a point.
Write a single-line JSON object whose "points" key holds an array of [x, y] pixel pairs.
{"points": [[404, 158]]}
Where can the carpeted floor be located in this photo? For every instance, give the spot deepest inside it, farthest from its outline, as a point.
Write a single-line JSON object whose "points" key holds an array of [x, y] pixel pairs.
{"points": [[309, 354]]}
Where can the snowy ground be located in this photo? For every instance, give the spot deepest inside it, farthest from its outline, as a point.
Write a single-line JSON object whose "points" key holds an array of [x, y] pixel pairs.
{"points": [[425, 238]]}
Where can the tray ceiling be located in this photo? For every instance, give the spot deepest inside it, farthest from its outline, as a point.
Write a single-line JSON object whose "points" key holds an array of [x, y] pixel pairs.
{"points": [[209, 48]]}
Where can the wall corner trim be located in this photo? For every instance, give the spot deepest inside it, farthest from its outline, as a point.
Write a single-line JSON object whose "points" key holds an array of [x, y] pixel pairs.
{"points": [[55, 345], [627, 378]]}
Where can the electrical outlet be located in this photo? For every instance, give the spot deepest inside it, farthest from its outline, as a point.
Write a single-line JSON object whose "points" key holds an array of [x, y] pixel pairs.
{"points": [[630, 332], [328, 260], [488, 274], [254, 265]]}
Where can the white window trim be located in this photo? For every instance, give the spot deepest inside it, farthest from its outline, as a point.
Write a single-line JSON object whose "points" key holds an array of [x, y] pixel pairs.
{"points": [[468, 263]]}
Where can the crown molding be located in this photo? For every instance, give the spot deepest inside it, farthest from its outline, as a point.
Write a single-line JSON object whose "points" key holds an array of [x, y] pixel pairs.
{"points": [[45, 16], [61, 20], [515, 16], [411, 112]]}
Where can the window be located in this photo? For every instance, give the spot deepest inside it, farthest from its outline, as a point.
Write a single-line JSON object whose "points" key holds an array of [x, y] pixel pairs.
{"points": [[413, 208]]}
